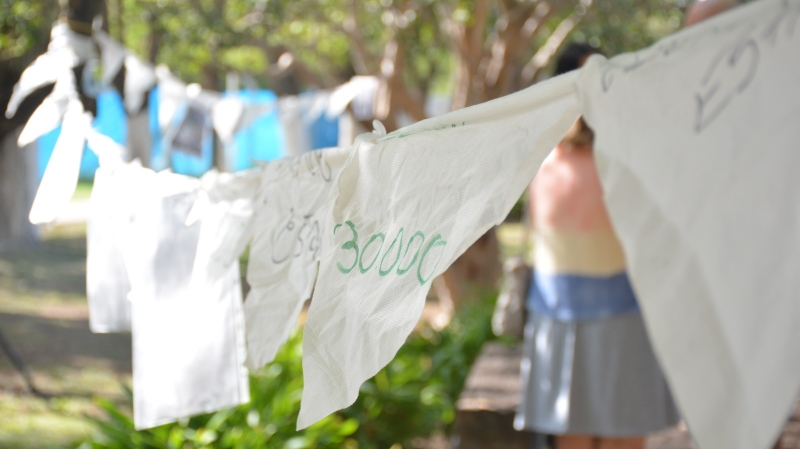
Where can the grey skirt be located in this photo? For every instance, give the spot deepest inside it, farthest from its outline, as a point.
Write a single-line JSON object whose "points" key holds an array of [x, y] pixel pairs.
{"points": [[592, 377]]}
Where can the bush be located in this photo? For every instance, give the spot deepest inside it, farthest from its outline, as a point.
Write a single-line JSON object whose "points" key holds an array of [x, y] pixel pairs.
{"points": [[414, 396]]}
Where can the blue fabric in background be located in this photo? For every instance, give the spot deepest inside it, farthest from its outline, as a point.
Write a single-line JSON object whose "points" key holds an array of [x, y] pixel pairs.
{"points": [[158, 157], [263, 139], [110, 121], [324, 132], [44, 148]]}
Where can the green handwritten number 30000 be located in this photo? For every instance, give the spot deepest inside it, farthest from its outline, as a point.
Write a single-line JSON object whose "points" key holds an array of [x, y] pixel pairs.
{"points": [[399, 257]]}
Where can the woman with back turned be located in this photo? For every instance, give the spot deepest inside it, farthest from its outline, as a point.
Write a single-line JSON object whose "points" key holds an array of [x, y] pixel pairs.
{"points": [[589, 374]]}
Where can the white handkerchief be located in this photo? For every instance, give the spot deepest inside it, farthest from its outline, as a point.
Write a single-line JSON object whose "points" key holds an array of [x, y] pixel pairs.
{"points": [[404, 208], [188, 341], [286, 246], [697, 148]]}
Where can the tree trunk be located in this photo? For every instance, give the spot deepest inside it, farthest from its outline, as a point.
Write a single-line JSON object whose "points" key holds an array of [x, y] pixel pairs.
{"points": [[17, 189], [472, 276]]}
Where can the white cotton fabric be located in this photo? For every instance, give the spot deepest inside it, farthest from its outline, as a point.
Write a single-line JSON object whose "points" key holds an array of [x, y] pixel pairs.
{"points": [[65, 51], [450, 178], [696, 143], [295, 130], [286, 245], [140, 77], [61, 174], [188, 340], [107, 284], [226, 206]]}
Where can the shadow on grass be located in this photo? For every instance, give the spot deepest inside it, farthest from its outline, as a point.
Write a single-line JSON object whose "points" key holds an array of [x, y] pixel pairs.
{"points": [[46, 343], [57, 264]]}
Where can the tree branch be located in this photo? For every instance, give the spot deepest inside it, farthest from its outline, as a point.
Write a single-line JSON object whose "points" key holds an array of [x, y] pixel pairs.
{"points": [[543, 56]]}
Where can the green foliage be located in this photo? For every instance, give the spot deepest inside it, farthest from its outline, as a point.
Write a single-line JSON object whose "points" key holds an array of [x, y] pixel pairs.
{"points": [[414, 396], [628, 25], [21, 26]]}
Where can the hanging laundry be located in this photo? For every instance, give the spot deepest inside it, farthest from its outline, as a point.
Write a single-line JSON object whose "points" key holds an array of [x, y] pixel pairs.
{"points": [[406, 206], [226, 207], [278, 209], [107, 284], [359, 94], [65, 51], [354, 104], [188, 340], [286, 245], [297, 136], [696, 142], [248, 125], [60, 177], [189, 139], [324, 128], [192, 131], [110, 121], [138, 76]]}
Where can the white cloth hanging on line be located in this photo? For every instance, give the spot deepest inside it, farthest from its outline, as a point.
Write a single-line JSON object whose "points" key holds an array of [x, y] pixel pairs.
{"points": [[61, 174], [286, 246], [107, 284], [403, 209], [140, 77], [278, 208], [188, 339], [696, 140], [295, 130], [65, 51]]}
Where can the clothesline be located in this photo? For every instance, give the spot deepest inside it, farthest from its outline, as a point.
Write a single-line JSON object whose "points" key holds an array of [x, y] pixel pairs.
{"points": [[695, 142], [178, 134]]}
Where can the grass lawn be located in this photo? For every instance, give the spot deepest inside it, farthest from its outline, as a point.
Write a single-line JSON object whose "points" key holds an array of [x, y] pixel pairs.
{"points": [[43, 313], [83, 190]]}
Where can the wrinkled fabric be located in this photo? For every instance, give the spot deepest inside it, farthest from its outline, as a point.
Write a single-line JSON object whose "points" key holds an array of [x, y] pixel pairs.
{"points": [[61, 174], [286, 246], [188, 339], [403, 209], [696, 142], [226, 207], [107, 284]]}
